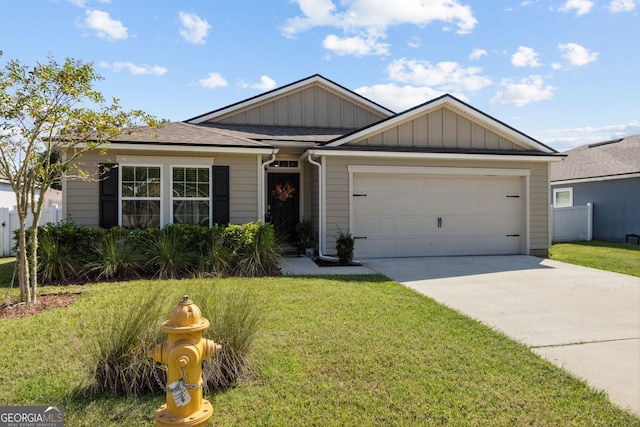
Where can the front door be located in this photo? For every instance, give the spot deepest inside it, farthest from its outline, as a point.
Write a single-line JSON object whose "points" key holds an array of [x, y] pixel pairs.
{"points": [[283, 207]]}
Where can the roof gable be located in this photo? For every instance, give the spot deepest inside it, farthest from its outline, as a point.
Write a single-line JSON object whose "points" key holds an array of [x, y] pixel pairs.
{"points": [[443, 123], [615, 158], [311, 102]]}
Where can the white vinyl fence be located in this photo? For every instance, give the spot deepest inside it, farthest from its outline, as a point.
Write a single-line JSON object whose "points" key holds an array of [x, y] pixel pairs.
{"points": [[9, 223], [571, 224]]}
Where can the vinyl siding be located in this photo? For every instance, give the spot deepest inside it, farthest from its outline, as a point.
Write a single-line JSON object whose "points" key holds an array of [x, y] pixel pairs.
{"points": [[82, 200], [442, 128], [310, 106]]}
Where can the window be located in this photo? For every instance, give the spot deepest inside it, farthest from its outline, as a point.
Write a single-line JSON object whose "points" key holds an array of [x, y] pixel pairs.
{"points": [[191, 195], [563, 197], [140, 190]]}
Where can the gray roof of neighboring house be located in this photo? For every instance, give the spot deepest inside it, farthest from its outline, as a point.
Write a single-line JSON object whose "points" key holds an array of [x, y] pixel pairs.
{"points": [[280, 133], [180, 133], [616, 157]]}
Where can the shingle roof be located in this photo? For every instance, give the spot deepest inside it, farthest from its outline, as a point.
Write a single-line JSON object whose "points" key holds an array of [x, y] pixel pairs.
{"points": [[279, 133], [608, 158], [180, 133]]}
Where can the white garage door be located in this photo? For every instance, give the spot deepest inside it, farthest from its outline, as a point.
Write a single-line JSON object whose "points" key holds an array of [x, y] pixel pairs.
{"points": [[428, 215]]}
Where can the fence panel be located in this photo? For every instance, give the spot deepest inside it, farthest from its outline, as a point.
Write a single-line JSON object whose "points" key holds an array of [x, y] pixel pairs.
{"points": [[573, 223], [10, 222]]}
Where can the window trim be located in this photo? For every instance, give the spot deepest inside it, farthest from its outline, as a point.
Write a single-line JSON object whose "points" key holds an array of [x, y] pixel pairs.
{"points": [[208, 199], [561, 190], [122, 198]]}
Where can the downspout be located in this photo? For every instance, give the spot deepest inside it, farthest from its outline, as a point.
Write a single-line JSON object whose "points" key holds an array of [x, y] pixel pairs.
{"points": [[308, 155], [263, 190]]}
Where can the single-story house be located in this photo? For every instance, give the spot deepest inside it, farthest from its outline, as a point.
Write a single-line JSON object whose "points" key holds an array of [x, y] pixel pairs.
{"points": [[606, 174], [442, 178]]}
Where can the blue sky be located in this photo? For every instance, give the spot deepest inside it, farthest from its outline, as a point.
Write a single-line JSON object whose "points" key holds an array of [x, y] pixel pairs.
{"points": [[565, 72]]}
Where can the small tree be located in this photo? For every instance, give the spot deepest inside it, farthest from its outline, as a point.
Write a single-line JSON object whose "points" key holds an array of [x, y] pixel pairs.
{"points": [[50, 114]]}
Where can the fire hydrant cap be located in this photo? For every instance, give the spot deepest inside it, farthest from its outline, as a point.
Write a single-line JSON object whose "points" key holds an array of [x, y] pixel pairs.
{"points": [[185, 317]]}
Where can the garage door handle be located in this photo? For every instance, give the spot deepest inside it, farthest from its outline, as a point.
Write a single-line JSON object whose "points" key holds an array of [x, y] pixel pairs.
{"points": [[439, 222], [359, 237], [513, 235]]}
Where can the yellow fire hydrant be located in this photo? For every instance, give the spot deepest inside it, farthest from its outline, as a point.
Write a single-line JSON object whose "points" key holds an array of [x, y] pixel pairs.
{"points": [[183, 353]]}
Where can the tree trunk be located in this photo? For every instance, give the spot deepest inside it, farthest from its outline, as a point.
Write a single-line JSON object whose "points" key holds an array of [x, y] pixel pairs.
{"points": [[33, 262], [23, 268]]}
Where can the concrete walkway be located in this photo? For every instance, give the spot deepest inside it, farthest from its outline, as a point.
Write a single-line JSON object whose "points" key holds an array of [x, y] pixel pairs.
{"points": [[584, 320]]}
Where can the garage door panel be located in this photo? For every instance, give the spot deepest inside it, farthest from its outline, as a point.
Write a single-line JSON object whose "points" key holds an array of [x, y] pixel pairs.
{"points": [[399, 215]]}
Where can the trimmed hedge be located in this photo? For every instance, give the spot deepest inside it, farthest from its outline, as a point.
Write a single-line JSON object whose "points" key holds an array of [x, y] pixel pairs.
{"points": [[71, 253]]}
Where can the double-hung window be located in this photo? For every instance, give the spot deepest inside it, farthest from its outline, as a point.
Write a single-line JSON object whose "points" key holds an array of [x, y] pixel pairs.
{"points": [[191, 195], [141, 196]]}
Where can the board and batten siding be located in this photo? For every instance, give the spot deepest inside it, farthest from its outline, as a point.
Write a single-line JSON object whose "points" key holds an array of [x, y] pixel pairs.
{"points": [[337, 193], [311, 106], [82, 197], [442, 128]]}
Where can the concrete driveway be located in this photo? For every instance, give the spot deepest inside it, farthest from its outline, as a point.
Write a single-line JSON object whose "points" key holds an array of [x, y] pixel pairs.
{"points": [[584, 320]]}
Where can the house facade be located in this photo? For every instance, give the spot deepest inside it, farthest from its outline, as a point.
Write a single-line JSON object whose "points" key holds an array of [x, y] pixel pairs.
{"points": [[442, 178], [607, 175]]}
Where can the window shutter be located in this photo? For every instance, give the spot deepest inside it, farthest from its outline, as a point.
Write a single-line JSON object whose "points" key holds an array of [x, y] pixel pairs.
{"points": [[220, 195], [108, 206]]}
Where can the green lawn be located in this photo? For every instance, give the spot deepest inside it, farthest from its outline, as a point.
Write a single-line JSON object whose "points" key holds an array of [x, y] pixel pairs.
{"points": [[357, 350], [618, 257]]}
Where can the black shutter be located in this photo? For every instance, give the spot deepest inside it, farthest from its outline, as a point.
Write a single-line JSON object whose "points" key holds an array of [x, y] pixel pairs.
{"points": [[220, 195], [108, 216]]}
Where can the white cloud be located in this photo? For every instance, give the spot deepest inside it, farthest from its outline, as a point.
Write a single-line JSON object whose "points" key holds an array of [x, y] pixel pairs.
{"points": [[398, 98], [134, 69], [525, 57], [213, 81], [104, 26], [415, 42], [577, 55], [477, 54], [621, 5], [373, 18], [530, 89], [582, 7], [266, 83], [357, 46], [194, 29], [444, 76]]}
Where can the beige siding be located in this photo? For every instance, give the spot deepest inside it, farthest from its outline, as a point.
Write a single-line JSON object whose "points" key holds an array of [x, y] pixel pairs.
{"points": [[313, 106], [337, 183], [82, 198], [442, 128]]}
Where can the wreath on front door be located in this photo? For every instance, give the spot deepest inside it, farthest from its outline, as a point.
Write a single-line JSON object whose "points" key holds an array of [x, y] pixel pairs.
{"points": [[283, 192]]}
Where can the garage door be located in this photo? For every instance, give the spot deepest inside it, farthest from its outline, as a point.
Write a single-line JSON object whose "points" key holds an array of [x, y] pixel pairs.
{"points": [[429, 215]]}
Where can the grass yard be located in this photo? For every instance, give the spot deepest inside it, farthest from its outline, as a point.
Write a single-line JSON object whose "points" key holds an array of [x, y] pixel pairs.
{"points": [[619, 257], [357, 350]]}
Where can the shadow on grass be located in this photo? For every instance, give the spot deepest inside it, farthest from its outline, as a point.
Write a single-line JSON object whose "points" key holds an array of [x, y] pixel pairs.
{"points": [[7, 267]]}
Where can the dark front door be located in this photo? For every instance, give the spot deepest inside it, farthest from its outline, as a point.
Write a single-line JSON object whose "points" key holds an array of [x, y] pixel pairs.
{"points": [[283, 207]]}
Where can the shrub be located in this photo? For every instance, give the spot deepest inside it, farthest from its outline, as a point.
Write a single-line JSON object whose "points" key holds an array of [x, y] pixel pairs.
{"points": [[167, 251], [119, 365], [344, 246], [255, 250], [116, 256], [56, 259], [235, 315]]}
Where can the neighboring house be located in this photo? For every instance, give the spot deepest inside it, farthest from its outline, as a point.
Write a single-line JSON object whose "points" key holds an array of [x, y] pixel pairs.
{"points": [[8, 196], [442, 178], [606, 174]]}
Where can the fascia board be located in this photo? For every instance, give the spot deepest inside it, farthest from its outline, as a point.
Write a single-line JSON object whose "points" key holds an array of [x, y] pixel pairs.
{"points": [[436, 156], [184, 148]]}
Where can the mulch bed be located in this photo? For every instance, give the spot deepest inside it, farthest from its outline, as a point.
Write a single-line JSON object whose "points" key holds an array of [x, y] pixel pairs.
{"points": [[324, 263], [10, 308]]}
